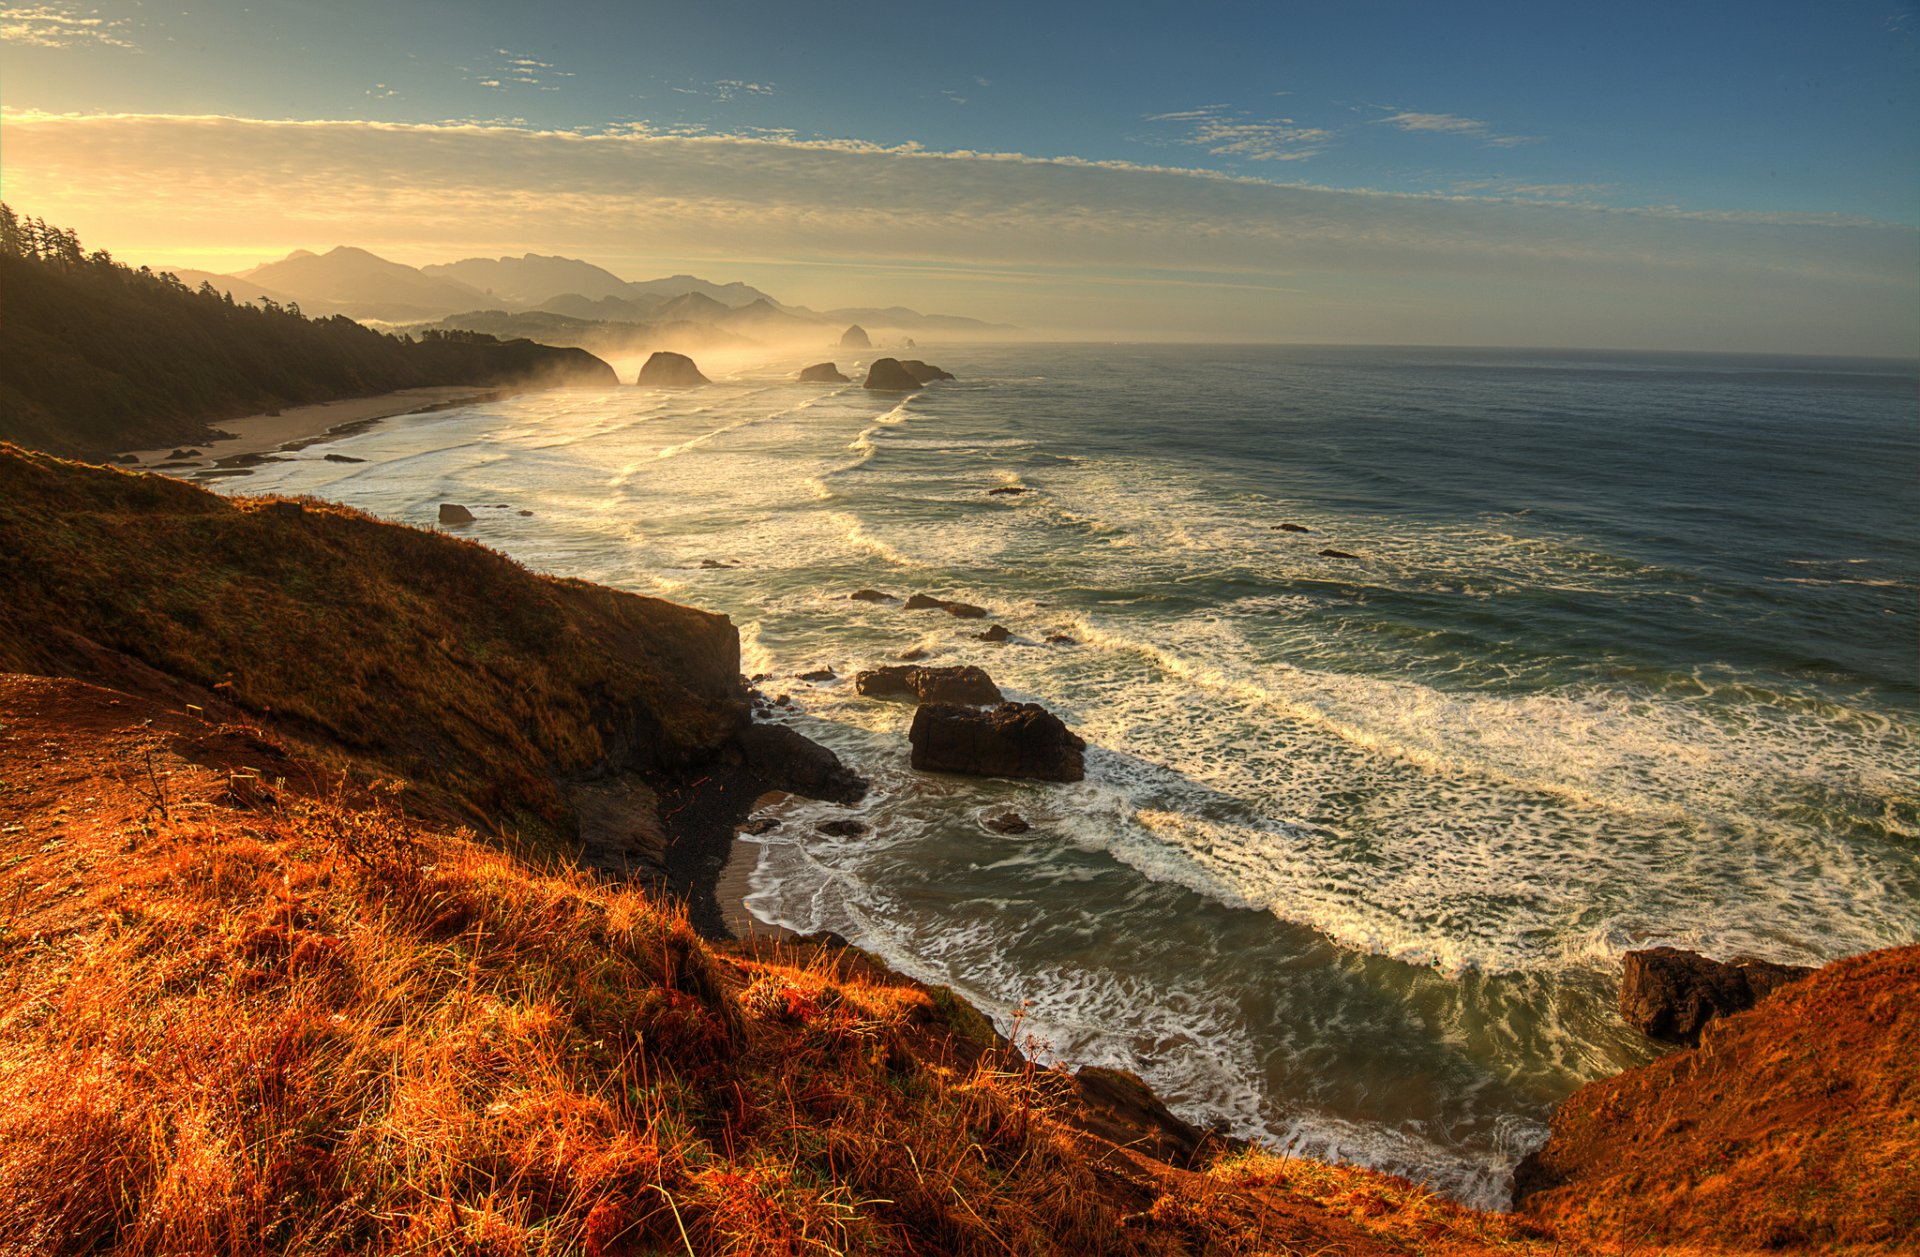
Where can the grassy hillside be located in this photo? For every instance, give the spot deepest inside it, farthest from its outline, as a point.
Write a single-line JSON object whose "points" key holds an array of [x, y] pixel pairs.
{"points": [[101, 358], [433, 657]]}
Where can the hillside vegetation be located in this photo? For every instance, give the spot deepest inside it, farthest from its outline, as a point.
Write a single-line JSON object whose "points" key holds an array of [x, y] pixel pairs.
{"points": [[101, 358]]}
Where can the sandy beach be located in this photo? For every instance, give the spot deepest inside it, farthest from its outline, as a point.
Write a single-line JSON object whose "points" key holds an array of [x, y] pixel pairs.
{"points": [[252, 437]]}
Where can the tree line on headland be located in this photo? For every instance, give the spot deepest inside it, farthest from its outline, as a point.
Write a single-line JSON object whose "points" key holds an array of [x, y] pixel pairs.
{"points": [[102, 357]]}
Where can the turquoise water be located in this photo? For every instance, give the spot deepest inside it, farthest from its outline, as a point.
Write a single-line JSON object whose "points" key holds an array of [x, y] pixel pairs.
{"points": [[1628, 656]]}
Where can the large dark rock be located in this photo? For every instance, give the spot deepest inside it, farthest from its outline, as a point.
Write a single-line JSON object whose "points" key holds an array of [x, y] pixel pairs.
{"points": [[790, 761], [671, 370], [1011, 740], [855, 337], [923, 372], [1669, 994], [888, 376], [454, 513], [927, 602], [966, 684], [822, 373], [871, 595]]}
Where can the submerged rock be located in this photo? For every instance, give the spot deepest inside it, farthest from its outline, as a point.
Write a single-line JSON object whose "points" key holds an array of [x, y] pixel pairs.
{"points": [[998, 633], [871, 595], [965, 684], [1011, 740], [1669, 994], [1006, 490], [454, 513], [965, 610], [855, 337], [343, 458], [1337, 554], [670, 370], [818, 674], [1007, 823], [844, 827], [822, 373], [888, 376], [1291, 528], [1062, 639]]}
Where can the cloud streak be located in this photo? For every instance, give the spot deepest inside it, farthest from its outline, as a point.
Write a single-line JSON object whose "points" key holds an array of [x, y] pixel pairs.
{"points": [[1121, 247], [1235, 134], [59, 26], [1453, 124]]}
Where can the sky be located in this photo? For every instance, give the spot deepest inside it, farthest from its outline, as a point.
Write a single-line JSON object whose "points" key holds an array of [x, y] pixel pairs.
{"points": [[1687, 176]]}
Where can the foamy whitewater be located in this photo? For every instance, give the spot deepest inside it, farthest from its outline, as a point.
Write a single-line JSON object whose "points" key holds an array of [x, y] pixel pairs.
{"points": [[1628, 657]]}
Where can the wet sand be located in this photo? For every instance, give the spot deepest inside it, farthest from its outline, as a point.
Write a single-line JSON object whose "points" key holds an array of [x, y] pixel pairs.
{"points": [[732, 888], [255, 437]]}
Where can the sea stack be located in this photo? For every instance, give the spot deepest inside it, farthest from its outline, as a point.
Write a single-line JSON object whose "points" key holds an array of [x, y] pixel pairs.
{"points": [[855, 337], [1011, 740], [888, 376], [671, 370], [822, 373]]}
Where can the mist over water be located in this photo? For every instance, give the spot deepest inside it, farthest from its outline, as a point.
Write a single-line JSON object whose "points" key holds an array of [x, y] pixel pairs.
{"points": [[1628, 656]]}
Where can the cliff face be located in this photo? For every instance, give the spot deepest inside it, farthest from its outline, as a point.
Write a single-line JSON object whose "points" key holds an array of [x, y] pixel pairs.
{"points": [[1793, 1125], [440, 660]]}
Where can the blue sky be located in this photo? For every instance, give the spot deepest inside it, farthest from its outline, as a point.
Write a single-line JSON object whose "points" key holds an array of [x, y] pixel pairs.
{"points": [[1761, 110]]}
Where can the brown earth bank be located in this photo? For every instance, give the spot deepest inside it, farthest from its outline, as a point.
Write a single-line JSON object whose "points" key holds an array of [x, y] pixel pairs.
{"points": [[319, 933]]}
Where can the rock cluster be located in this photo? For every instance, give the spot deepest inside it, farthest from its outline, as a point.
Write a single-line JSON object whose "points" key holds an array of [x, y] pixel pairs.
{"points": [[965, 610], [1011, 740]]}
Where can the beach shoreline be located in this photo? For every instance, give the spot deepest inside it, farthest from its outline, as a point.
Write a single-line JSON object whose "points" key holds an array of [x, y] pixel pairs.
{"points": [[252, 439]]}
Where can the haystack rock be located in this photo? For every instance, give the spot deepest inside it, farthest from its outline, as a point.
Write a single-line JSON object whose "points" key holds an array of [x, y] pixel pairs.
{"points": [[671, 370], [855, 337], [454, 513], [1669, 994], [966, 685], [887, 375], [822, 373], [1011, 740], [924, 372]]}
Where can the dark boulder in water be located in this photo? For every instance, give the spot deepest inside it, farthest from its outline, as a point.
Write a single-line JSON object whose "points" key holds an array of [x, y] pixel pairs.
{"points": [[1062, 639], [671, 370], [886, 375], [965, 684], [343, 458], [1011, 740], [454, 513], [871, 595], [792, 762], [855, 337], [822, 373], [965, 610], [1337, 554], [1006, 490], [1007, 823], [1291, 528], [845, 827], [817, 674], [1669, 994], [998, 633], [922, 372]]}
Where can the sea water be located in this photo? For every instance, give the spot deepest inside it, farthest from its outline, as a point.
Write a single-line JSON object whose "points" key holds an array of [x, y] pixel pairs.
{"points": [[1627, 656]]}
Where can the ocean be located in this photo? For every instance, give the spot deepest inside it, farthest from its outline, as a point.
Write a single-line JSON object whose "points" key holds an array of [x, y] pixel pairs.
{"points": [[1628, 653]]}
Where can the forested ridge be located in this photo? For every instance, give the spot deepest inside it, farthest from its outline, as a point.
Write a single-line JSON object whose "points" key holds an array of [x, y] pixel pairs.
{"points": [[101, 357]]}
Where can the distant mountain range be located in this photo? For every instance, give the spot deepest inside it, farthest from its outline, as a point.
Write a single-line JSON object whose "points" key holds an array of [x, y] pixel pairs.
{"points": [[521, 296]]}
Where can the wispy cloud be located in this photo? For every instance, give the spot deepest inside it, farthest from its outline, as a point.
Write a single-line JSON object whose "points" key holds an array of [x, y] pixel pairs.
{"points": [[1501, 267], [60, 26], [510, 69], [1233, 133], [728, 89], [1541, 191], [1452, 124]]}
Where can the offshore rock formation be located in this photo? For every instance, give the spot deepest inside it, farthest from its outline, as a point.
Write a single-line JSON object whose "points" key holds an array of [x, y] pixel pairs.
{"points": [[454, 513], [822, 373], [1011, 740], [965, 684], [964, 610], [922, 372], [670, 370], [886, 375], [1669, 994], [855, 337]]}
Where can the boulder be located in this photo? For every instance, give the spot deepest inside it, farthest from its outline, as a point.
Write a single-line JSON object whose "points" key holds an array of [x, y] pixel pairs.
{"points": [[1337, 554], [1011, 740], [1669, 994], [527, 513], [855, 337], [343, 458], [998, 633], [822, 373], [817, 674], [871, 595], [671, 370], [1061, 639], [923, 372], [792, 762], [845, 827], [1291, 528], [888, 376], [967, 685], [965, 610], [1007, 823], [454, 513], [1006, 490], [186, 454]]}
